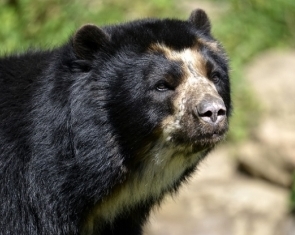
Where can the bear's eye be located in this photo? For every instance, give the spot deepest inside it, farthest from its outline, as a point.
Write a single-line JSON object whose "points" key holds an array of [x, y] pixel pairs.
{"points": [[215, 77], [163, 86]]}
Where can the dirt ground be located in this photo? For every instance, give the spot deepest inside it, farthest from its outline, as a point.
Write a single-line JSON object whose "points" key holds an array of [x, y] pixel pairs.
{"points": [[244, 189]]}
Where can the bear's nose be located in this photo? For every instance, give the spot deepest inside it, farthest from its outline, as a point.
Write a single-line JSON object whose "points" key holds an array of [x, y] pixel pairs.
{"points": [[211, 110]]}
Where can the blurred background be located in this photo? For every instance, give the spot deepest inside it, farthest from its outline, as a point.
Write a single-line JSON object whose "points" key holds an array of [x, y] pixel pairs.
{"points": [[246, 186]]}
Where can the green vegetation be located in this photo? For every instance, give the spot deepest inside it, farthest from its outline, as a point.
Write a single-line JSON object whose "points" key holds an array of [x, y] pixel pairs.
{"points": [[292, 198], [247, 28], [293, 195], [26, 23]]}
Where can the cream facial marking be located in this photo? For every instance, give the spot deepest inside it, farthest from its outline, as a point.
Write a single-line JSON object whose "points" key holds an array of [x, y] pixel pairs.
{"points": [[189, 56], [194, 86]]}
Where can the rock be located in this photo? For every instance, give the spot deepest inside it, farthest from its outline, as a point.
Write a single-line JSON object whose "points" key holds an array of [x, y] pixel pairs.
{"points": [[271, 75], [264, 163], [288, 226], [271, 152]]}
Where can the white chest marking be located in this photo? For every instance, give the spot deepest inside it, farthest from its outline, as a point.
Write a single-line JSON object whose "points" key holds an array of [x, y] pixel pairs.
{"points": [[162, 169]]}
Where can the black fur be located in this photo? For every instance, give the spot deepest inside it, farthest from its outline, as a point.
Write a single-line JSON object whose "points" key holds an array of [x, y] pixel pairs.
{"points": [[72, 121]]}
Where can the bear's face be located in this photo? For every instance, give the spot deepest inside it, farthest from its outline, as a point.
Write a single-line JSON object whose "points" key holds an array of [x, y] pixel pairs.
{"points": [[167, 81], [199, 114], [165, 85], [176, 96]]}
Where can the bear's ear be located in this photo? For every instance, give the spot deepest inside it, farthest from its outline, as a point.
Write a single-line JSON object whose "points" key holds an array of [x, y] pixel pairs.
{"points": [[88, 40], [200, 19]]}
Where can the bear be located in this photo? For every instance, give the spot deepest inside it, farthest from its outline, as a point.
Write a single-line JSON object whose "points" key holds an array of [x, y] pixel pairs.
{"points": [[94, 133]]}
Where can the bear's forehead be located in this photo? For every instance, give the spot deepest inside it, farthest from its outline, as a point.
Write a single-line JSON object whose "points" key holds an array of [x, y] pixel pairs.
{"points": [[192, 58], [176, 34]]}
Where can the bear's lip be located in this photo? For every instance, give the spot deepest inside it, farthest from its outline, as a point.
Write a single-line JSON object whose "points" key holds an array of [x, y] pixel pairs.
{"points": [[212, 133], [214, 136], [207, 142], [210, 138], [202, 141]]}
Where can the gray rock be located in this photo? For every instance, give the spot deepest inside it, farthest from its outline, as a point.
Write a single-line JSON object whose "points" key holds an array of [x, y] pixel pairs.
{"points": [[271, 155]]}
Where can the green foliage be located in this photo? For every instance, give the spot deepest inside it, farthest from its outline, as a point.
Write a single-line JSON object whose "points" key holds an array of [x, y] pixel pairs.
{"points": [[255, 25], [293, 195], [41, 23]]}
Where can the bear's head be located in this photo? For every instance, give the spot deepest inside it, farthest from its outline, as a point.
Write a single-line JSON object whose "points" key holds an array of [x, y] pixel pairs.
{"points": [[166, 82], [159, 91]]}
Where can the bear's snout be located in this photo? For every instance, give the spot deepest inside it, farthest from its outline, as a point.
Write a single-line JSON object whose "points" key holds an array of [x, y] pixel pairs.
{"points": [[210, 109]]}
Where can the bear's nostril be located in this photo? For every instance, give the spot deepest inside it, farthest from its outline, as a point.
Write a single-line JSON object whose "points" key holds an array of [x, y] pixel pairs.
{"points": [[211, 110], [221, 112], [207, 114]]}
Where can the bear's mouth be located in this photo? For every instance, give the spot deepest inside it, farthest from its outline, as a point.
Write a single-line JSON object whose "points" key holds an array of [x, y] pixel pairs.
{"points": [[210, 138], [200, 139]]}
